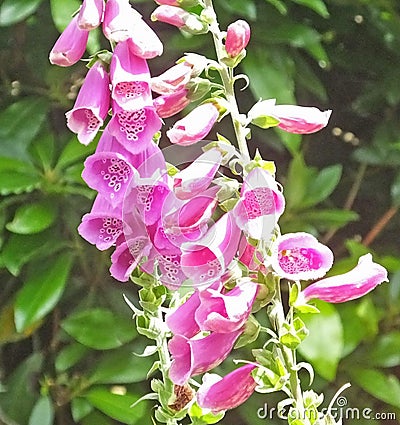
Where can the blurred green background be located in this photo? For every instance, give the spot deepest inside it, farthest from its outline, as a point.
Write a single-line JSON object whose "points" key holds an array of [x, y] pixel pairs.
{"points": [[66, 337]]}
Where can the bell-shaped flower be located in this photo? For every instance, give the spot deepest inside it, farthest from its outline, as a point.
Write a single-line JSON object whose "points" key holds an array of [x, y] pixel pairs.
{"points": [[171, 272], [172, 80], [206, 259], [179, 18], [260, 205], [195, 178], [299, 256], [237, 37], [90, 14], [143, 41], [134, 129], [119, 16], [70, 46], [198, 355], [250, 256], [130, 79], [194, 126], [363, 278], [168, 105], [181, 321], [221, 311], [218, 394], [91, 105], [103, 225]]}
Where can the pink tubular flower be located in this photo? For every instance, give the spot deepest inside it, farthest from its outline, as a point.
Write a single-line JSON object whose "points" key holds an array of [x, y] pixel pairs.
{"points": [[172, 80], [261, 204], [103, 225], [90, 14], [205, 260], [300, 119], [348, 286], [91, 106], [299, 256], [225, 393], [195, 126], [226, 312], [70, 46], [179, 18], [168, 105], [181, 321], [143, 41], [237, 37], [130, 79], [194, 356]]}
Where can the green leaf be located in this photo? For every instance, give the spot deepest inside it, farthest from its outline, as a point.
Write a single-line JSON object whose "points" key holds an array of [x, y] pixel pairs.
{"points": [[246, 9], [19, 125], [62, 11], [43, 412], [33, 218], [69, 356], [73, 152], [395, 191], [99, 328], [325, 219], [297, 181], [80, 408], [18, 182], [14, 11], [279, 6], [316, 5], [42, 291], [117, 406], [324, 344], [385, 351]]}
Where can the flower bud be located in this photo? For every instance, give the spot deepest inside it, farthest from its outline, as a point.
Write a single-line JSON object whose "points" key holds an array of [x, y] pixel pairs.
{"points": [[90, 14], [237, 37], [180, 18], [168, 105]]}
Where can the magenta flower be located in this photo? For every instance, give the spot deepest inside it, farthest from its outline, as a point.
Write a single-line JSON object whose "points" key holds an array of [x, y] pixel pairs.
{"points": [[172, 80], [70, 46], [194, 356], [249, 255], [179, 18], [205, 260], [103, 225], [168, 105], [90, 14], [237, 37], [196, 178], [143, 41], [91, 106], [171, 273], [130, 79], [195, 126], [365, 276], [261, 204], [134, 129], [299, 256], [181, 321], [300, 119], [225, 393], [226, 311]]}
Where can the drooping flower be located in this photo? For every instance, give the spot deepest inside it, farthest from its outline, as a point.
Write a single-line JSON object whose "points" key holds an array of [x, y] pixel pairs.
{"points": [[172, 80], [226, 311], [225, 393], [194, 356], [260, 205], [195, 126], [130, 79], [206, 259], [90, 14], [237, 37], [70, 46], [363, 278], [91, 106], [299, 256], [143, 41], [181, 321], [179, 18], [168, 105]]}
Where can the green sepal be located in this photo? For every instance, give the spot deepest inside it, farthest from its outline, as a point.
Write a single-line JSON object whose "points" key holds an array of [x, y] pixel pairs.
{"points": [[250, 334], [199, 417]]}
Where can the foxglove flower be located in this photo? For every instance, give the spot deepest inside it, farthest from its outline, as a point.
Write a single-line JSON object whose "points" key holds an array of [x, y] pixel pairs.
{"points": [[172, 80], [168, 105], [70, 46], [226, 312], [249, 255], [205, 260], [348, 286], [299, 256], [237, 37], [181, 321], [225, 393], [134, 129], [143, 41], [103, 225], [130, 79], [91, 106], [194, 356], [261, 204], [90, 14], [195, 126], [179, 18]]}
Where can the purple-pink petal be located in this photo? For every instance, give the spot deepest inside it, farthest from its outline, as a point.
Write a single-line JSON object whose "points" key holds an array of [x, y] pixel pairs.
{"points": [[168, 105], [90, 14], [237, 37], [143, 41], [181, 321]]}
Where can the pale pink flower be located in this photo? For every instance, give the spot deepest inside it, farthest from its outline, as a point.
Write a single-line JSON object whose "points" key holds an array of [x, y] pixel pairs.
{"points": [[179, 18], [168, 105], [143, 41], [237, 37], [172, 80], [90, 14]]}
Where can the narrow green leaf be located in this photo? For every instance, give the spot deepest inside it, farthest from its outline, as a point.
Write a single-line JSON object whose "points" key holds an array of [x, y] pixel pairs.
{"points": [[18, 182], [43, 412], [33, 218], [80, 408], [246, 9], [117, 406], [69, 356], [99, 328], [41, 292], [14, 11], [386, 350], [62, 11], [279, 6], [73, 152], [395, 190], [317, 6], [325, 219], [297, 182]]}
